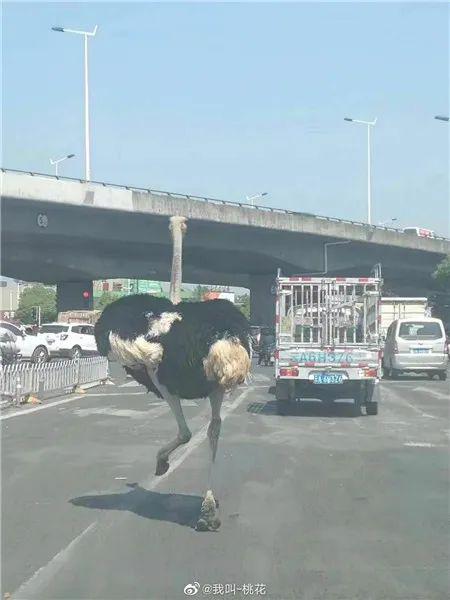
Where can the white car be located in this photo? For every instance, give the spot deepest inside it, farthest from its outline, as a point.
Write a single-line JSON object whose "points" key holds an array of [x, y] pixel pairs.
{"points": [[31, 347], [72, 340]]}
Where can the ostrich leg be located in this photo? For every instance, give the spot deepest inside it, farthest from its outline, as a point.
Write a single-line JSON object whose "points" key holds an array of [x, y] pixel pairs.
{"points": [[209, 521], [184, 434]]}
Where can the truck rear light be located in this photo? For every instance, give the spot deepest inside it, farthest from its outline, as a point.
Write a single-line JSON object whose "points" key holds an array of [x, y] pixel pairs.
{"points": [[289, 372], [395, 348], [276, 354], [370, 372]]}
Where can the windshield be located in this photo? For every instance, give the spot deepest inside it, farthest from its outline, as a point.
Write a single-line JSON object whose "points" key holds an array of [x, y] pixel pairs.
{"points": [[420, 330], [54, 328]]}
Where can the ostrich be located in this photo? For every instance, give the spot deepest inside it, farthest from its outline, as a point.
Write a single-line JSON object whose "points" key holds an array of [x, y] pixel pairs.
{"points": [[179, 350]]}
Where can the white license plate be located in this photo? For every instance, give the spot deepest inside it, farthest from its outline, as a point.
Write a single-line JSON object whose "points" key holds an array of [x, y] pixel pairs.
{"points": [[328, 378]]}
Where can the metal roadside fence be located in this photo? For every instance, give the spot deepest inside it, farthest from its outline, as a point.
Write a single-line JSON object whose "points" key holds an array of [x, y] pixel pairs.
{"points": [[20, 380]]}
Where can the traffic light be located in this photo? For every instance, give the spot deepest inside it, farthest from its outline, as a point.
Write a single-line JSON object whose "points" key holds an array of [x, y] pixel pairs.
{"points": [[86, 299]]}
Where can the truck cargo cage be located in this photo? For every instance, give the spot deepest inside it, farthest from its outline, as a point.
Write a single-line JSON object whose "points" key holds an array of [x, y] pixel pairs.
{"points": [[327, 311]]}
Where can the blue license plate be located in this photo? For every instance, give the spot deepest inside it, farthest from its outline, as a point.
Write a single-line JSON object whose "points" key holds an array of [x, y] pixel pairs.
{"points": [[420, 350], [328, 378]]}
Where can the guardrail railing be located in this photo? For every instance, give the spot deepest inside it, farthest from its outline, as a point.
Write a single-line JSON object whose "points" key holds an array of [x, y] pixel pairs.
{"points": [[209, 200], [20, 380]]}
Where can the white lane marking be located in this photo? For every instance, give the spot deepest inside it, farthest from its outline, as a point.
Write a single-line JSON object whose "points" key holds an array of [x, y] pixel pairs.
{"points": [[131, 384], [431, 392], [401, 400], [42, 576], [112, 412], [423, 445], [121, 394], [27, 411]]}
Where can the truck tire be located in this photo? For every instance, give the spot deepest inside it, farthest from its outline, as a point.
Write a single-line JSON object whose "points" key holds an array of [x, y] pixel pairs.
{"points": [[357, 406], [372, 408], [442, 375], [284, 394], [283, 407]]}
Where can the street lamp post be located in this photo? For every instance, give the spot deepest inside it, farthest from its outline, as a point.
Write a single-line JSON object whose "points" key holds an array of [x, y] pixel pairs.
{"points": [[369, 193], [250, 199], [86, 34], [58, 160]]}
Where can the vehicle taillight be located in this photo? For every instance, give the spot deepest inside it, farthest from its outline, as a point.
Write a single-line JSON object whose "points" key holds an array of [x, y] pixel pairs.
{"points": [[289, 372], [276, 354], [446, 347], [395, 348], [64, 336], [370, 372]]}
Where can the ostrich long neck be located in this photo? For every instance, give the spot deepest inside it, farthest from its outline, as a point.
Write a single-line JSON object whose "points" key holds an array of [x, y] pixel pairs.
{"points": [[178, 229]]}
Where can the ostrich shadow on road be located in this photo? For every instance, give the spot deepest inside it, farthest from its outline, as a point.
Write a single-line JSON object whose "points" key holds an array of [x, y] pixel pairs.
{"points": [[181, 509]]}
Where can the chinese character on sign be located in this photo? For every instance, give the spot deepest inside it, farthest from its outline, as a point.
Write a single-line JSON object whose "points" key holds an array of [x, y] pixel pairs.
{"points": [[260, 589], [230, 588], [218, 589], [247, 589]]}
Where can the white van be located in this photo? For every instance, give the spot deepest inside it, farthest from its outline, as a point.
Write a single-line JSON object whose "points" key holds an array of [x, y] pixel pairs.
{"points": [[416, 346]]}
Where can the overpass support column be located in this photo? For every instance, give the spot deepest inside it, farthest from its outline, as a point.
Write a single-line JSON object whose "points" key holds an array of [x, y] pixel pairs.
{"points": [[262, 301], [74, 295]]}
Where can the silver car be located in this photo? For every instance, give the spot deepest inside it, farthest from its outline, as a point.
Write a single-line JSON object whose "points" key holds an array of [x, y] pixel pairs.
{"points": [[416, 346]]}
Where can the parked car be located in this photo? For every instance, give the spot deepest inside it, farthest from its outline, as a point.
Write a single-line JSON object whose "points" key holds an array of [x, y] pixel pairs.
{"points": [[415, 346], [9, 349], [31, 347], [71, 340]]}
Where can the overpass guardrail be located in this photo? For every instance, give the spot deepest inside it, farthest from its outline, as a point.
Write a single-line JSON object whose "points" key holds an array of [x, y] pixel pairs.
{"points": [[210, 200], [18, 381]]}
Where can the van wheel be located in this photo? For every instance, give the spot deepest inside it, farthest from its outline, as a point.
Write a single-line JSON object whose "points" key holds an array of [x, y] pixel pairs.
{"points": [[442, 375], [40, 355], [430, 375]]}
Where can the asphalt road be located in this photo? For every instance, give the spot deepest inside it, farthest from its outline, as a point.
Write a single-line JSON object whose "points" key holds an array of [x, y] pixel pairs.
{"points": [[315, 505]]}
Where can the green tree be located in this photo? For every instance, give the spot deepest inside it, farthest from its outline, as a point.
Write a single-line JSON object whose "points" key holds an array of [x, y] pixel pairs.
{"points": [[37, 295], [102, 301], [442, 273], [198, 292], [243, 303]]}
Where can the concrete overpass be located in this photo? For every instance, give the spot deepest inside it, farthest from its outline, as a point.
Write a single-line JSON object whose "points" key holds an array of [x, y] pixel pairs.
{"points": [[69, 232]]}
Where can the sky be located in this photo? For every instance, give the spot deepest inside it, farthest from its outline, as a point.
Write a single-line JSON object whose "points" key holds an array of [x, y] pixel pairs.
{"points": [[231, 99]]}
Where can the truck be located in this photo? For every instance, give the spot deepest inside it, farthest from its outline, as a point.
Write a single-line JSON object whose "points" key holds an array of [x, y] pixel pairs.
{"points": [[325, 348], [393, 308], [79, 316]]}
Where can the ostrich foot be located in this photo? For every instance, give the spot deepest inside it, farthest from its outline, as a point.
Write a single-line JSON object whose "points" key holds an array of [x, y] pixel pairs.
{"points": [[208, 521], [162, 466]]}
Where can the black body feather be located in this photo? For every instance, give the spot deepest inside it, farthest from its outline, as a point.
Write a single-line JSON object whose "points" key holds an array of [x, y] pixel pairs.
{"points": [[185, 345]]}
